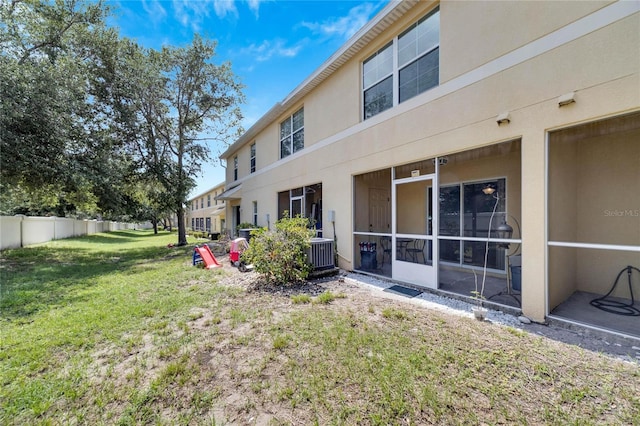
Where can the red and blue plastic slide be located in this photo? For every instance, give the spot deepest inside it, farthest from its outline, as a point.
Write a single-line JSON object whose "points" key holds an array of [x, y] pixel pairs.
{"points": [[206, 256]]}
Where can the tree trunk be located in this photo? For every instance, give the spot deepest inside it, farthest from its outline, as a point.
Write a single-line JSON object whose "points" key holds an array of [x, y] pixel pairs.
{"points": [[154, 221], [182, 234]]}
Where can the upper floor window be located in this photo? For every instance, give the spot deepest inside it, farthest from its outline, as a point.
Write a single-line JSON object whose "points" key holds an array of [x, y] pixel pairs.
{"points": [[202, 203], [208, 200], [387, 82], [253, 158], [235, 168], [292, 134], [377, 77]]}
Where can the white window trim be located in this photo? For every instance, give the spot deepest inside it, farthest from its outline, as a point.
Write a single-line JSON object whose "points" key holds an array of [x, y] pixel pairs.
{"points": [[252, 158], [255, 213], [290, 135], [396, 70]]}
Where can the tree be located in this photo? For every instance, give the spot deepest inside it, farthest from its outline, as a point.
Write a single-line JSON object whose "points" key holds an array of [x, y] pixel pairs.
{"points": [[54, 145], [85, 114], [169, 104]]}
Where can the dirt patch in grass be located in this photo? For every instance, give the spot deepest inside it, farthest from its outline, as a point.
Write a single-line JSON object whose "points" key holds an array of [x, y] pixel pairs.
{"points": [[364, 358]]}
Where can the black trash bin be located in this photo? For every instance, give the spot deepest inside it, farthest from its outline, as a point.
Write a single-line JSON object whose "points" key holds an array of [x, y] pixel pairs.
{"points": [[245, 233], [368, 260], [516, 272], [368, 255]]}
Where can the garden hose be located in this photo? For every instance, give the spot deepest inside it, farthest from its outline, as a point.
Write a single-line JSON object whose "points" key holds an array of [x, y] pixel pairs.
{"points": [[615, 306]]}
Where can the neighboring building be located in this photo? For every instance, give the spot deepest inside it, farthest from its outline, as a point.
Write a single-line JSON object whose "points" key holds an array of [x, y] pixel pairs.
{"points": [[438, 121], [206, 213]]}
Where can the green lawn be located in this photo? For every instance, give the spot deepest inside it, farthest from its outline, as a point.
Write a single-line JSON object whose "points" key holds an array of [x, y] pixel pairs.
{"points": [[119, 329]]}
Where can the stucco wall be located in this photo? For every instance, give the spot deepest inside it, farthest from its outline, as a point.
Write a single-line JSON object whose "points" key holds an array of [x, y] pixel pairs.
{"points": [[460, 115], [475, 32]]}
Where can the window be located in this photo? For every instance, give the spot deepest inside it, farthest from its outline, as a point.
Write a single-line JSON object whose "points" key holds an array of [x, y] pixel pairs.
{"points": [[255, 213], [418, 57], [292, 134], [465, 211], [253, 158], [378, 81], [415, 70], [209, 200], [305, 202], [235, 168]]}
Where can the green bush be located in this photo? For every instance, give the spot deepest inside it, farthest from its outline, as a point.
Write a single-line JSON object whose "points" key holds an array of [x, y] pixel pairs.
{"points": [[199, 234], [280, 256], [245, 225]]}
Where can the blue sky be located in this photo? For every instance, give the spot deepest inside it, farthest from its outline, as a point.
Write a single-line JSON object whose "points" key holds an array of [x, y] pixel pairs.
{"points": [[272, 45]]}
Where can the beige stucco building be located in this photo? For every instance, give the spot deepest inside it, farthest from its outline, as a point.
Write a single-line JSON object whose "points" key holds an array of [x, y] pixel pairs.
{"points": [[206, 213], [440, 125]]}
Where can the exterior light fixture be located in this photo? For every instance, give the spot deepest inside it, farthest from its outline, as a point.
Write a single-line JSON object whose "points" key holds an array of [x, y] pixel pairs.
{"points": [[488, 190], [503, 118], [566, 99], [504, 231]]}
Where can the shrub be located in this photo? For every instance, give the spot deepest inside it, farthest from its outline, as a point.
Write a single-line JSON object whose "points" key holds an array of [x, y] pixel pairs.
{"points": [[199, 234], [280, 256], [245, 225]]}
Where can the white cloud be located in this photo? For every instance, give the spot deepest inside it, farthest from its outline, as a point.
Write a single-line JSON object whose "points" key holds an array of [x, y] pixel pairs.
{"points": [[269, 49], [224, 7], [192, 13], [154, 9], [344, 26], [254, 6], [184, 13]]}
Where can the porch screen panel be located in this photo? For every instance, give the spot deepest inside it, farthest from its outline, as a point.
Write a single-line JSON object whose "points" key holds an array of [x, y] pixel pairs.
{"points": [[593, 208], [412, 209], [594, 185], [372, 206], [479, 207], [283, 204]]}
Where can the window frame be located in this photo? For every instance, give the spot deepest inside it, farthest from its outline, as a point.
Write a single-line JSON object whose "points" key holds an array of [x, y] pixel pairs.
{"points": [[397, 68], [235, 168], [290, 136], [252, 158], [461, 239], [255, 213]]}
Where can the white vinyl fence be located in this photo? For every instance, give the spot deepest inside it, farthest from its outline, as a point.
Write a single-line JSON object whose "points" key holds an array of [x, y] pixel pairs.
{"points": [[20, 231]]}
